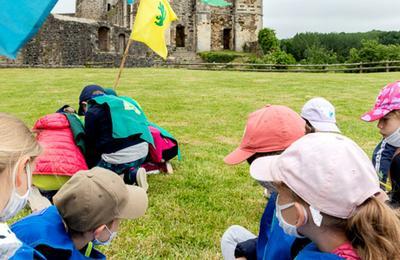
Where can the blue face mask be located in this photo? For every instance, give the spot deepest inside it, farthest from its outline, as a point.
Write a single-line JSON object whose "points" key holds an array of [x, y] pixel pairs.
{"points": [[108, 241]]}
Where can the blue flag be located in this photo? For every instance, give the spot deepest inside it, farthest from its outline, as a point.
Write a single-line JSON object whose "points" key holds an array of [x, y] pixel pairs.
{"points": [[131, 2], [19, 22]]}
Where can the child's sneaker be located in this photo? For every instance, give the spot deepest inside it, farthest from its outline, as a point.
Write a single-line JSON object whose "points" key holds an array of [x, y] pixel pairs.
{"points": [[168, 165], [141, 179], [151, 168]]}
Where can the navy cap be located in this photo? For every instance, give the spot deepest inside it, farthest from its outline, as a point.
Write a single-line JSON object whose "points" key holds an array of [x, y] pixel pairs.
{"points": [[86, 94]]}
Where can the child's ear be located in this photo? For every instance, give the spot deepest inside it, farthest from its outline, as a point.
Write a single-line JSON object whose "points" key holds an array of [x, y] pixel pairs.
{"points": [[99, 230], [84, 105], [21, 174], [302, 219]]}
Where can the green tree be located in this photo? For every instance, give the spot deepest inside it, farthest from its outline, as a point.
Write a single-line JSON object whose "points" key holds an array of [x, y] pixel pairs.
{"points": [[319, 55], [267, 40], [371, 50], [387, 38], [353, 55]]}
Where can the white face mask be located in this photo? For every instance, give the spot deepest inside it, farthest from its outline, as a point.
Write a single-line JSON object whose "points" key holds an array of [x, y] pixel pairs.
{"points": [[394, 138], [16, 201], [289, 229], [108, 241]]}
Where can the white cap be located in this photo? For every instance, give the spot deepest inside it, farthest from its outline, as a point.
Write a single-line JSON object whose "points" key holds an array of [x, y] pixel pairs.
{"points": [[321, 115]]}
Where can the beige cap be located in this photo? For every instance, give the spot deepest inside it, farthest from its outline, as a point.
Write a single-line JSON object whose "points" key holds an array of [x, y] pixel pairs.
{"points": [[96, 197]]}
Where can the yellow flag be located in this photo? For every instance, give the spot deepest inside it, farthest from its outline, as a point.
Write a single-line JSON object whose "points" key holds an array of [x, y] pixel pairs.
{"points": [[152, 18]]}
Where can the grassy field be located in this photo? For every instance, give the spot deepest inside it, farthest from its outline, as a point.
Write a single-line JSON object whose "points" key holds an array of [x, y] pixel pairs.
{"points": [[206, 111]]}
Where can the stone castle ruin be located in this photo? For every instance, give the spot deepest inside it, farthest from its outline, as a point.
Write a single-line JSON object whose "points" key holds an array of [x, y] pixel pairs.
{"points": [[98, 32]]}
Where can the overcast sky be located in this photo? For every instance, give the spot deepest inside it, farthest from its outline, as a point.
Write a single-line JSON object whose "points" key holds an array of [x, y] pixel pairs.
{"points": [[288, 17]]}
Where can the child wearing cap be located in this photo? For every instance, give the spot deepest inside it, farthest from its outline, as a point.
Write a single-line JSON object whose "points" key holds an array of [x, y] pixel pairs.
{"points": [[117, 134], [165, 147], [337, 202], [386, 156], [319, 114], [268, 131], [86, 212]]}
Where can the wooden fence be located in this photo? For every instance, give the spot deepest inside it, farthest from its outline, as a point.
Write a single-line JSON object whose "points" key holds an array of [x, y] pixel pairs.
{"points": [[381, 66]]}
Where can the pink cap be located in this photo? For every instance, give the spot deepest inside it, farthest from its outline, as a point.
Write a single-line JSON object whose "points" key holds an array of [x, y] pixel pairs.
{"points": [[270, 129], [387, 101], [328, 171]]}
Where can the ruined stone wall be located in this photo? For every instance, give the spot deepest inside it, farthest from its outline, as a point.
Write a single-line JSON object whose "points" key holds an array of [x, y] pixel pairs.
{"points": [[248, 22], [100, 38], [69, 41], [118, 13], [242, 22], [221, 18], [202, 27], [113, 11], [185, 12], [91, 9], [219, 22]]}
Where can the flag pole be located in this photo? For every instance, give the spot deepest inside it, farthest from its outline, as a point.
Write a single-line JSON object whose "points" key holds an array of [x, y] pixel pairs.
{"points": [[121, 67]]}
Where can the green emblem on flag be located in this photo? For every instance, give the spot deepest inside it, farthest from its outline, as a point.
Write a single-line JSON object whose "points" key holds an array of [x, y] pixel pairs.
{"points": [[161, 18]]}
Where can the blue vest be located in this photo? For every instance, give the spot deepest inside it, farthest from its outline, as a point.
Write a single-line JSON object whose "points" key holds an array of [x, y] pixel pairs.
{"points": [[386, 157], [265, 226], [272, 241], [47, 228], [311, 252], [279, 243]]}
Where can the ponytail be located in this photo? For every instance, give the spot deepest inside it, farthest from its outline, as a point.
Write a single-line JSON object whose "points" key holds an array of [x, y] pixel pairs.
{"points": [[374, 231]]}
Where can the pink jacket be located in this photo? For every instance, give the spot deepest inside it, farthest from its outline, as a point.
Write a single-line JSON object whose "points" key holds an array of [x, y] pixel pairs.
{"points": [[61, 156]]}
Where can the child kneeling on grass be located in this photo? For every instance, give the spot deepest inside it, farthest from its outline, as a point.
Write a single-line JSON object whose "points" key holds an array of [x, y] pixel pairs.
{"points": [[386, 156], [87, 211], [61, 136], [164, 149], [328, 191], [117, 134], [269, 131]]}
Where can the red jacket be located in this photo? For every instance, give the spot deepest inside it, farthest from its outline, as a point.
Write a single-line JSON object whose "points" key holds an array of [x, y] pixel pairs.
{"points": [[61, 156]]}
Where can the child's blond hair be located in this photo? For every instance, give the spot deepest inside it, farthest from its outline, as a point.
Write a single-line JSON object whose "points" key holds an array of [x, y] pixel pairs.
{"points": [[16, 140]]}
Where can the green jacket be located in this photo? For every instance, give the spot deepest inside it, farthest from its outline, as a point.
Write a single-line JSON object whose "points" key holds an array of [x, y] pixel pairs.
{"points": [[127, 117]]}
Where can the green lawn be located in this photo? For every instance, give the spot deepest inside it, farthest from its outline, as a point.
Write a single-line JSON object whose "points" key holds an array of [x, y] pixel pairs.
{"points": [[206, 111]]}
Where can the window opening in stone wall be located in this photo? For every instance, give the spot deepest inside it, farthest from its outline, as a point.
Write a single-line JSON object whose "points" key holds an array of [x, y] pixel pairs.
{"points": [[104, 39], [121, 43], [108, 7], [227, 35], [180, 36]]}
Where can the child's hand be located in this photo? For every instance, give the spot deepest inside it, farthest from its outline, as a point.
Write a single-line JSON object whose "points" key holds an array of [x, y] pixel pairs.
{"points": [[69, 110]]}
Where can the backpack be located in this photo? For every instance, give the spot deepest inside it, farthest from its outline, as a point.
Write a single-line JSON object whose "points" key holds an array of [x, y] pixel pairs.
{"points": [[165, 148]]}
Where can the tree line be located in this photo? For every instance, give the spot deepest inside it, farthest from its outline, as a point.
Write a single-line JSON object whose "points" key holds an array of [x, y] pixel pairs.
{"points": [[329, 48]]}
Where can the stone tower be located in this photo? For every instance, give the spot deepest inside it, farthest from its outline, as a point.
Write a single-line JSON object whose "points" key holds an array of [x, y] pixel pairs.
{"points": [[203, 28], [116, 12], [248, 22]]}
